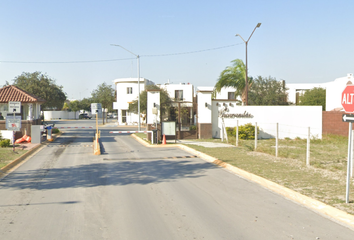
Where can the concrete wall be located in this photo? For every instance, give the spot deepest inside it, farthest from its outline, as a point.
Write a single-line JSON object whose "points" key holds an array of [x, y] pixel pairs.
{"points": [[57, 115], [188, 90], [293, 120], [153, 97]]}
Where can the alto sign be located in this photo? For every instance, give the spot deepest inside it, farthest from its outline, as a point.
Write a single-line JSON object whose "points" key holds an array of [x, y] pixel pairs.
{"points": [[347, 99]]}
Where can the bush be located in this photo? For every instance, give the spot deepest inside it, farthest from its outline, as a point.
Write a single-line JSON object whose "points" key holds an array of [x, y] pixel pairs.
{"points": [[192, 128], [5, 143], [55, 130], [245, 132]]}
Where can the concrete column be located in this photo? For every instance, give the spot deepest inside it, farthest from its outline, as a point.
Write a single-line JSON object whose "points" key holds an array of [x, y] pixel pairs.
{"points": [[153, 107], [204, 114], [30, 111]]}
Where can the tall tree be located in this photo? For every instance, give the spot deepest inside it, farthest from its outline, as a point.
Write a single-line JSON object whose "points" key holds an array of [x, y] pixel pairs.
{"points": [[267, 91], [43, 86], [104, 94], [314, 97], [234, 76]]}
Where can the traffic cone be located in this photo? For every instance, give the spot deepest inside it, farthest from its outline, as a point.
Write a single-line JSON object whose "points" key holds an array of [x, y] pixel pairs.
{"points": [[164, 139]]}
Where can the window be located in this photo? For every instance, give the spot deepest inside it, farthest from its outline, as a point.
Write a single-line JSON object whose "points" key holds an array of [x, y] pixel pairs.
{"points": [[129, 90], [179, 95], [231, 95], [124, 116]]}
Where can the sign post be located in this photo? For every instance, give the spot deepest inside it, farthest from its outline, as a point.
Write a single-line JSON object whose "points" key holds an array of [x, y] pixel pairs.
{"points": [[14, 124], [347, 101]]}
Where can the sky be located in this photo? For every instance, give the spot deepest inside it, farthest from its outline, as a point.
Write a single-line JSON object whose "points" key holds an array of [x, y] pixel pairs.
{"points": [[303, 41]]}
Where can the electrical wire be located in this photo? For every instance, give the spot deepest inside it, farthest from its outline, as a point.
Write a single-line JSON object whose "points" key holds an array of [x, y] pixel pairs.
{"points": [[122, 59]]}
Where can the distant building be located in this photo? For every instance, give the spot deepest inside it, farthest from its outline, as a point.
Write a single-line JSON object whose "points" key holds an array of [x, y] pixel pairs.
{"points": [[127, 92], [333, 91]]}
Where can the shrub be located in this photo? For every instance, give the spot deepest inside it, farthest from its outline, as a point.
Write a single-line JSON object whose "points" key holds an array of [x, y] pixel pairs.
{"points": [[5, 143], [245, 132], [55, 130], [192, 128]]}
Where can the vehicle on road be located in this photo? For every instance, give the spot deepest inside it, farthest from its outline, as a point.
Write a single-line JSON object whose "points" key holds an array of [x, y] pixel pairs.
{"points": [[84, 116]]}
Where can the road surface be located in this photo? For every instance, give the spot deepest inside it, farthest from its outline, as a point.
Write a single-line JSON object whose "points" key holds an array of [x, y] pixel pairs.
{"points": [[134, 192]]}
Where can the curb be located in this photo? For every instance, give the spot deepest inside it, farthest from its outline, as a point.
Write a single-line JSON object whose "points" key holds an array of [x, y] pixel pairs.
{"points": [[321, 208], [10, 166]]}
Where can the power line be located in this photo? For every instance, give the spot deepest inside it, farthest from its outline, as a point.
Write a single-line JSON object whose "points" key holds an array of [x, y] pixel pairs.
{"points": [[89, 61], [191, 52], [122, 59]]}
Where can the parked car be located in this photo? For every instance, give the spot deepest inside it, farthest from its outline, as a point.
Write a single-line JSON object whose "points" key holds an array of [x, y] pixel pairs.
{"points": [[84, 116]]}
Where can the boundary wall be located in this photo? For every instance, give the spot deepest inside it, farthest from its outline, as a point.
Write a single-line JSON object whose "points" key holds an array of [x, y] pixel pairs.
{"points": [[293, 121], [58, 115]]}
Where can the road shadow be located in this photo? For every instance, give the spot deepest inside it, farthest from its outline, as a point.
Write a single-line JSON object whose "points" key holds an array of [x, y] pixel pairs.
{"points": [[116, 173]]}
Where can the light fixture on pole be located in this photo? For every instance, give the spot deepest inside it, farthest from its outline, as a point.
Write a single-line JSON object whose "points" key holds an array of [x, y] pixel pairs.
{"points": [[138, 63], [246, 43]]}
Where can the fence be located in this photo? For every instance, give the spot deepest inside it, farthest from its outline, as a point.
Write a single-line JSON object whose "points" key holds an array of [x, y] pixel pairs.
{"points": [[274, 130]]}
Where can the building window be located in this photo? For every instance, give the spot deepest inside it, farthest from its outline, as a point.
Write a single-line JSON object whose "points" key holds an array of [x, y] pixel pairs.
{"points": [[129, 90], [124, 116], [231, 95], [179, 95]]}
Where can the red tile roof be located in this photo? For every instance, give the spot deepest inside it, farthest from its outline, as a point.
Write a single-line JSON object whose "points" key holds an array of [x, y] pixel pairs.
{"points": [[13, 93]]}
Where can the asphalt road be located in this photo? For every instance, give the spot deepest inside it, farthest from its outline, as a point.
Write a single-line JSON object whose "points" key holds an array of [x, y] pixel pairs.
{"points": [[134, 192]]}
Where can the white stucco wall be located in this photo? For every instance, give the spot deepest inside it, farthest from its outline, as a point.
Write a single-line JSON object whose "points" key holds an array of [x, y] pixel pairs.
{"points": [[123, 99], [204, 105], [59, 115], [334, 92], [153, 97], [188, 90], [293, 120]]}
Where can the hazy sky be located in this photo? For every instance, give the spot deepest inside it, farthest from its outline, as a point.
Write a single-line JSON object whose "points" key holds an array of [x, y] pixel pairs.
{"points": [[301, 41]]}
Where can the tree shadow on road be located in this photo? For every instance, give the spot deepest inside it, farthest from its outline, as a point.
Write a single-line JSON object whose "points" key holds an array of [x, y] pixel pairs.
{"points": [[115, 173]]}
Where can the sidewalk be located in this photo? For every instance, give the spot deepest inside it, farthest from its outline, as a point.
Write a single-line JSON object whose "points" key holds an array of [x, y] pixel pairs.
{"points": [[203, 144]]}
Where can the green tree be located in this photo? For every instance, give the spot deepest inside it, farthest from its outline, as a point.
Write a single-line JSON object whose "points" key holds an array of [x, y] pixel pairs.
{"points": [[104, 94], [267, 91], [165, 101], [234, 76], [314, 97], [42, 86], [85, 104]]}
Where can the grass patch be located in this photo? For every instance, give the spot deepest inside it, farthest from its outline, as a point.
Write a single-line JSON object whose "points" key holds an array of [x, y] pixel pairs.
{"points": [[7, 155], [324, 180]]}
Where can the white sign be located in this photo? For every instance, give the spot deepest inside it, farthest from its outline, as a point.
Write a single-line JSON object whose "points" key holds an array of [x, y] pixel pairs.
{"points": [[14, 107], [13, 124], [96, 108], [169, 128]]}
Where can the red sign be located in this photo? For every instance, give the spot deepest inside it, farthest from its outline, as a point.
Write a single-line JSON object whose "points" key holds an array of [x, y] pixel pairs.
{"points": [[348, 99]]}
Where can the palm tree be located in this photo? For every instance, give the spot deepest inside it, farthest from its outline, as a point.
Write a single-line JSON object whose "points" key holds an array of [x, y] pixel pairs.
{"points": [[234, 76]]}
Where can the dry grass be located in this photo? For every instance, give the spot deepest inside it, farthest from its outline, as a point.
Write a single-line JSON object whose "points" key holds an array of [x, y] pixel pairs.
{"points": [[7, 155], [324, 180]]}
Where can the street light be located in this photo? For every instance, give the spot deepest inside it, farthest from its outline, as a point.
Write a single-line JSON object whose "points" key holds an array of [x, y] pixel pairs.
{"points": [[138, 60], [246, 43]]}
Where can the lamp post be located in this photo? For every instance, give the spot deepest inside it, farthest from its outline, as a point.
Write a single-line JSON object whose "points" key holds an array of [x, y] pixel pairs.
{"points": [[246, 43], [138, 63]]}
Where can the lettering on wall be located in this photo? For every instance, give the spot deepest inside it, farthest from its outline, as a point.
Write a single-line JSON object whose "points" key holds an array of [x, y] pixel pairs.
{"points": [[237, 115]]}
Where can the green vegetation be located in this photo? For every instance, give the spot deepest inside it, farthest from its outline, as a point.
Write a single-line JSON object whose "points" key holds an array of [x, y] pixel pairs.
{"points": [[7, 155], [5, 143], [314, 97], [267, 91], [234, 76], [324, 179], [55, 130], [245, 132], [42, 86]]}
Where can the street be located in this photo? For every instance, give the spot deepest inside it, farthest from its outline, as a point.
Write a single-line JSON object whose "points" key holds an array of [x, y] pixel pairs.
{"points": [[135, 192]]}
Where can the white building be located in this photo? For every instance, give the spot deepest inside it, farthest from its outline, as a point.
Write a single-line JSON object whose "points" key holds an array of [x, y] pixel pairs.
{"points": [[333, 91], [179, 92], [127, 91]]}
